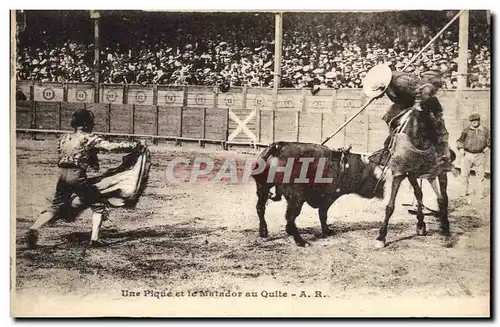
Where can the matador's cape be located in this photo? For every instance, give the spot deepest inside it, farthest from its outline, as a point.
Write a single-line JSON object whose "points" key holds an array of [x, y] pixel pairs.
{"points": [[120, 187]]}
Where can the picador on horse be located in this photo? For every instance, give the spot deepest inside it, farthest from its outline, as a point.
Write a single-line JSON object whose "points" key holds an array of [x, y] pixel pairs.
{"points": [[417, 146], [407, 92]]}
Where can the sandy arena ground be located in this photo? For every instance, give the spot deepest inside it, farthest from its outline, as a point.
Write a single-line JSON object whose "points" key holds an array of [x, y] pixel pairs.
{"points": [[204, 236]]}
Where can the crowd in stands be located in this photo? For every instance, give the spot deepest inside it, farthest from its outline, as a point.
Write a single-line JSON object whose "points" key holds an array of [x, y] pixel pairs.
{"points": [[329, 50]]}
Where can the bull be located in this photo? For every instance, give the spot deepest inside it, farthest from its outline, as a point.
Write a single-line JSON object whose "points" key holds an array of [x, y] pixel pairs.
{"points": [[313, 174]]}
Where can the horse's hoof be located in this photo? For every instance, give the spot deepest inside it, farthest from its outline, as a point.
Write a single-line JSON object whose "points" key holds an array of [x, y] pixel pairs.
{"points": [[379, 244], [448, 241], [303, 244], [327, 232], [263, 233], [445, 233]]}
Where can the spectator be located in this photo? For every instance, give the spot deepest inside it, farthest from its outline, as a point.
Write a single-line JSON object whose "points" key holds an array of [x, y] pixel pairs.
{"points": [[20, 96], [198, 51], [472, 144]]}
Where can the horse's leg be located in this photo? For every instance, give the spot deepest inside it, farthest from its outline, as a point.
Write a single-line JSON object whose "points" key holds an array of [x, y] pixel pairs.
{"points": [[293, 209], [389, 209], [443, 205], [417, 190], [262, 194], [442, 198]]}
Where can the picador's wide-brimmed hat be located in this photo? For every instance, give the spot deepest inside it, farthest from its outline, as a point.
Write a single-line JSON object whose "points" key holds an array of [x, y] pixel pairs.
{"points": [[377, 80]]}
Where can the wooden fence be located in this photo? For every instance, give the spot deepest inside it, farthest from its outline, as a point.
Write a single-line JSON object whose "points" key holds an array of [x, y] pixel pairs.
{"points": [[247, 116]]}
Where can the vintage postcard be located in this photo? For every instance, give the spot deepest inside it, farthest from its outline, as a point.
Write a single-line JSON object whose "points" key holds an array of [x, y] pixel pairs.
{"points": [[250, 164]]}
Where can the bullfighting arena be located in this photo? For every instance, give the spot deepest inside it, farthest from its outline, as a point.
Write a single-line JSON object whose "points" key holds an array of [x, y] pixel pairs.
{"points": [[204, 237]]}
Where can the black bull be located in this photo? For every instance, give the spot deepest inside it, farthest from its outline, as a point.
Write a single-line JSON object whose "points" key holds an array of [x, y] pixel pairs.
{"points": [[329, 175]]}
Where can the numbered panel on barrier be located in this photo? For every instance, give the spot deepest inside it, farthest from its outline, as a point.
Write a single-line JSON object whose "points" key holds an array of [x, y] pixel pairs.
{"points": [[170, 98], [140, 96], [318, 103], [288, 102], [112, 94], [81, 93], [259, 101], [200, 99], [49, 92], [230, 100]]}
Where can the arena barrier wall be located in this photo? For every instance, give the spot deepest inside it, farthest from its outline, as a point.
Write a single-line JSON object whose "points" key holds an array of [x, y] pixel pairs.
{"points": [[242, 116]]}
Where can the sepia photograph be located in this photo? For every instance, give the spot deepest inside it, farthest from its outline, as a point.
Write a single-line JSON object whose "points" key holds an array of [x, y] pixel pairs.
{"points": [[218, 163]]}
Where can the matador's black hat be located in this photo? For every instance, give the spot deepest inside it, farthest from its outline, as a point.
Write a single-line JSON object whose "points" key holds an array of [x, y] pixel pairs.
{"points": [[83, 118]]}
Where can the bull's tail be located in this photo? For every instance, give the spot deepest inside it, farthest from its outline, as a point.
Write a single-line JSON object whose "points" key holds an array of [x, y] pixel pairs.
{"points": [[272, 150], [275, 197]]}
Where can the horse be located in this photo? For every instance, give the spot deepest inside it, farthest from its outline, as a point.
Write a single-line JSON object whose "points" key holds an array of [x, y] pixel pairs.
{"points": [[413, 155]]}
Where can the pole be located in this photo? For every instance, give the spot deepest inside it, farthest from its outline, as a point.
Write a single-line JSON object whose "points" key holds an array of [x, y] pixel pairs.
{"points": [[95, 16], [434, 38], [277, 50], [278, 29], [463, 40], [349, 120], [407, 65]]}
